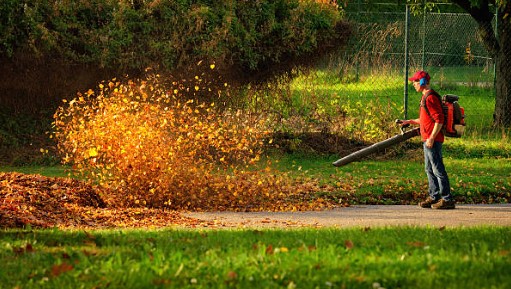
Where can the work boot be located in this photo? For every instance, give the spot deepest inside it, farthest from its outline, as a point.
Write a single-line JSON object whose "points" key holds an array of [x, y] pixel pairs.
{"points": [[428, 202], [444, 205]]}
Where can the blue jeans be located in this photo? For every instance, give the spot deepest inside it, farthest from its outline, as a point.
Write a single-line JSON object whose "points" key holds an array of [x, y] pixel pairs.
{"points": [[437, 176]]}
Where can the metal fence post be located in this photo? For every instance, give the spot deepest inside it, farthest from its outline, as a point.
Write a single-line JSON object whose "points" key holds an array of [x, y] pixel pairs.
{"points": [[407, 32], [495, 57], [423, 65]]}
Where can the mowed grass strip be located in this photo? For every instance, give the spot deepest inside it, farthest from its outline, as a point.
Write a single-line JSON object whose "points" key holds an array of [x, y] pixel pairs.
{"points": [[400, 257]]}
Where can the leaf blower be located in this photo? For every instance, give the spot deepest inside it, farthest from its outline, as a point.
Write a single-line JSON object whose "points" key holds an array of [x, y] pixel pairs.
{"points": [[406, 133]]}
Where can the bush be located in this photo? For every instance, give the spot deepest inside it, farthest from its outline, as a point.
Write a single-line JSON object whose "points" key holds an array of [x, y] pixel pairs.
{"points": [[369, 120], [150, 146], [243, 36]]}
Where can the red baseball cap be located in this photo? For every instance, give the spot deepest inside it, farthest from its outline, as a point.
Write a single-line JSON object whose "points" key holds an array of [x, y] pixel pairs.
{"points": [[419, 75]]}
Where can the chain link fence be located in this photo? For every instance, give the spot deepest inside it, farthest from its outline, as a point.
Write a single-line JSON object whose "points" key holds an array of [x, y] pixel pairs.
{"points": [[444, 44], [358, 92]]}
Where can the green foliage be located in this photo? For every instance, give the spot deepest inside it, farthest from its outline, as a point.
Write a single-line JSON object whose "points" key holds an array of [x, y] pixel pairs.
{"points": [[168, 34], [370, 120], [12, 28]]}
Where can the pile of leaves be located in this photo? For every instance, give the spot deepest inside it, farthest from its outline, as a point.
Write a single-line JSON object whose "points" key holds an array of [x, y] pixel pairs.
{"points": [[41, 202], [37, 201]]}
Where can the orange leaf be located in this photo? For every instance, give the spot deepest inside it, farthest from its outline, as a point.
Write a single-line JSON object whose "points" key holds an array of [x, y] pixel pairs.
{"points": [[232, 275], [56, 270]]}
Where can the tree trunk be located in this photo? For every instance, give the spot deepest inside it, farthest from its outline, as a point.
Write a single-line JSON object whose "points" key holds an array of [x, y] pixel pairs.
{"points": [[499, 47], [502, 116]]}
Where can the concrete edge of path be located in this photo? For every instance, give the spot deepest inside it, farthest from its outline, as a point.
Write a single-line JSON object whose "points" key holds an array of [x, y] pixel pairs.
{"points": [[363, 216]]}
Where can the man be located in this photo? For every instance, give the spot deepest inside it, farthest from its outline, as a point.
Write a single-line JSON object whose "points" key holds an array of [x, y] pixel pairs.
{"points": [[431, 119]]}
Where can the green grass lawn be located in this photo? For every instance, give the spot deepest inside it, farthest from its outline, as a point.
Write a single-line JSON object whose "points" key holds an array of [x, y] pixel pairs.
{"points": [[325, 88], [52, 171], [305, 258]]}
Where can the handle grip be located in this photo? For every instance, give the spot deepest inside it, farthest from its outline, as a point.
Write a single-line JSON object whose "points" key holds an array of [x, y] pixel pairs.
{"points": [[403, 127]]}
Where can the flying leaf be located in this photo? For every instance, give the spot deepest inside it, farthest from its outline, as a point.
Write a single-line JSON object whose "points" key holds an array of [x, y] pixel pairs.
{"points": [[93, 152]]}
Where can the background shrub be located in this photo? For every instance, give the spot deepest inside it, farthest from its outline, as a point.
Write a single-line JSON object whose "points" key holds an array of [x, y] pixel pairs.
{"points": [[241, 36]]}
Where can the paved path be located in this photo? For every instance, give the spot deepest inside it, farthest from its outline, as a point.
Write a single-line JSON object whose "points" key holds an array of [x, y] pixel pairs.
{"points": [[364, 216]]}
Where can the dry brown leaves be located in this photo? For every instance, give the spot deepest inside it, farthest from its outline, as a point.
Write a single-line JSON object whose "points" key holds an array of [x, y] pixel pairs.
{"points": [[42, 202]]}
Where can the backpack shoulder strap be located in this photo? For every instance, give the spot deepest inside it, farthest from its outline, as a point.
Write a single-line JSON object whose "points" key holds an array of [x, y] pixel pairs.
{"points": [[423, 101]]}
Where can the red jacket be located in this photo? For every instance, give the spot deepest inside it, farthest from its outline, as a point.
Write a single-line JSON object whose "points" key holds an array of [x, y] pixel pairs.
{"points": [[436, 115]]}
